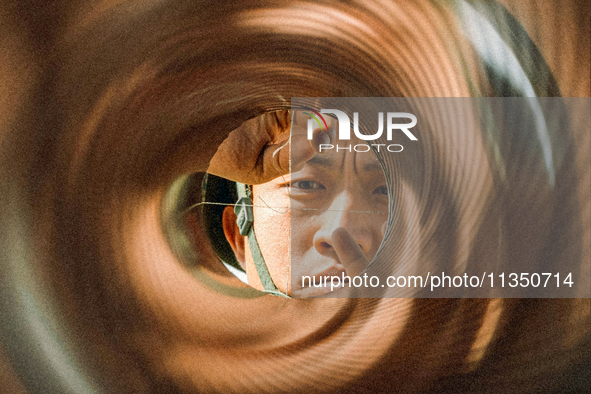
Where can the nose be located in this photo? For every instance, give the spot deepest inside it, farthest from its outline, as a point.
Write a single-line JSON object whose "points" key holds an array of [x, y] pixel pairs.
{"points": [[348, 213]]}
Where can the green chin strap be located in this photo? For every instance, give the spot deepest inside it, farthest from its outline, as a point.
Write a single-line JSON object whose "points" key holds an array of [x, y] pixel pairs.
{"points": [[245, 218]]}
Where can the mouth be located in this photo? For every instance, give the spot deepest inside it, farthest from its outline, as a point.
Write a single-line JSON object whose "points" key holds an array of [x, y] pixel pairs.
{"points": [[329, 275]]}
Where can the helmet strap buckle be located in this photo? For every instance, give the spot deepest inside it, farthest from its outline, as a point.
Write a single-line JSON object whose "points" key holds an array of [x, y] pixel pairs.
{"points": [[245, 215]]}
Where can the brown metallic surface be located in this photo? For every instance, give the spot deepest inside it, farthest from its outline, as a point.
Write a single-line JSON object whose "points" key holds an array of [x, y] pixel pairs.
{"points": [[103, 104]]}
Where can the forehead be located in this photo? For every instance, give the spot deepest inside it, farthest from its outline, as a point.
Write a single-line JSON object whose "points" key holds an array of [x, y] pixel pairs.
{"points": [[342, 158], [359, 162]]}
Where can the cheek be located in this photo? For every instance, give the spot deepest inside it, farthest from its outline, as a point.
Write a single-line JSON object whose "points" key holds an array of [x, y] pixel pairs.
{"points": [[303, 229], [273, 232], [378, 229], [271, 216]]}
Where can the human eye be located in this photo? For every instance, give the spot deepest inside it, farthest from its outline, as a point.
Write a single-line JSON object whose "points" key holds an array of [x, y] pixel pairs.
{"points": [[381, 190], [307, 185]]}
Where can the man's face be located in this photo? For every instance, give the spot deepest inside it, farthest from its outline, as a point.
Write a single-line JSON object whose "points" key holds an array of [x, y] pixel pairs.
{"points": [[296, 215]]}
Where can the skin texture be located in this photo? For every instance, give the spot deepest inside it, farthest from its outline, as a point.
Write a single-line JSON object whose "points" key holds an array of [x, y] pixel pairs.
{"points": [[105, 104], [315, 221], [248, 154]]}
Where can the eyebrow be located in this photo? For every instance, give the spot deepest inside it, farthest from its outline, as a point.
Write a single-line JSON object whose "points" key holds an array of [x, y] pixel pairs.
{"points": [[373, 166], [327, 162], [322, 161]]}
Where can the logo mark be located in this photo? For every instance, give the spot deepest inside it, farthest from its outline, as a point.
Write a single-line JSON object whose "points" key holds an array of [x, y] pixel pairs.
{"points": [[345, 124]]}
